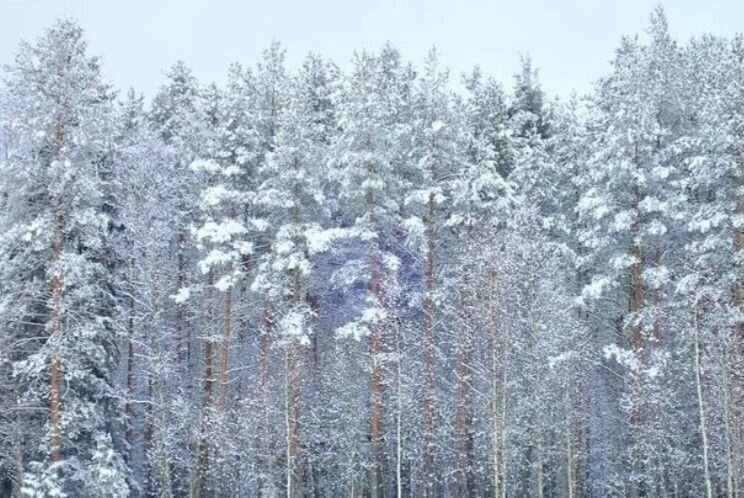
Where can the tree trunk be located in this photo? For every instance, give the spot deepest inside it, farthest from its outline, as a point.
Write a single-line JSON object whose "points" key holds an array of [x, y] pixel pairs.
{"points": [[266, 485], [128, 409], [498, 381], [375, 350], [225, 360], [293, 415], [55, 373], [201, 471], [293, 394], [737, 361], [536, 390], [180, 341], [700, 399], [464, 444], [399, 415], [636, 340], [429, 310]]}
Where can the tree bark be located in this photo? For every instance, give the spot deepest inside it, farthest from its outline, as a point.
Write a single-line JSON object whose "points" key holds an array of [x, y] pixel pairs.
{"points": [[429, 311], [128, 409], [376, 345], [700, 398], [201, 472], [266, 467], [737, 358], [464, 444], [225, 360], [55, 373]]}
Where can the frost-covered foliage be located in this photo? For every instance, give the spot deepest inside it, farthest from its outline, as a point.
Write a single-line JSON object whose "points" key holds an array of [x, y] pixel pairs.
{"points": [[371, 282], [58, 289]]}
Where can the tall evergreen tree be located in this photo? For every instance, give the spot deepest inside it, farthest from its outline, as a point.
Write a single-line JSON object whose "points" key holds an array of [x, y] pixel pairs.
{"points": [[58, 292]]}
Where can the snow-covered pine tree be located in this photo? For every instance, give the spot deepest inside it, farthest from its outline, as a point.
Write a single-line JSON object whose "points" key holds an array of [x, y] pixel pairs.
{"points": [[292, 193], [366, 164], [57, 290], [146, 211], [481, 203], [628, 212], [434, 159], [178, 116]]}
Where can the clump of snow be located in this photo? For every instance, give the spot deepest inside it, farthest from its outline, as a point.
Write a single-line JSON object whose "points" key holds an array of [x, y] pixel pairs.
{"points": [[213, 196], [204, 165], [232, 170], [225, 283], [354, 330], [595, 289], [219, 232], [320, 240], [623, 261], [624, 357], [183, 295]]}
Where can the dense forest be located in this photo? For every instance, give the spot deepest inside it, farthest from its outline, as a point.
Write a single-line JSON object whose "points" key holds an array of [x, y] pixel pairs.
{"points": [[373, 282]]}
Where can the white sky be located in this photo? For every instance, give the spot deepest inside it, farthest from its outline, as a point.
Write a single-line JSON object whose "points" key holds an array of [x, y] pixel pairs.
{"points": [[571, 41]]}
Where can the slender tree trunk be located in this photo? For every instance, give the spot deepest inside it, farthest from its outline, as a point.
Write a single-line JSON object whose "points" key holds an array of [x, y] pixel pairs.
{"points": [[57, 287], [161, 476], [180, 341], [55, 373], [202, 469], [293, 394], [266, 463], [399, 416], [700, 399], [498, 382], [657, 300], [635, 306], [730, 466], [429, 311], [128, 409], [464, 444], [570, 493], [225, 360], [536, 389], [375, 351], [18, 439], [376, 406], [737, 360], [292, 418]]}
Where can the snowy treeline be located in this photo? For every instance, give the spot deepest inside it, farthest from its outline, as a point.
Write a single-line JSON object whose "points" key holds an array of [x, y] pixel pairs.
{"points": [[324, 283]]}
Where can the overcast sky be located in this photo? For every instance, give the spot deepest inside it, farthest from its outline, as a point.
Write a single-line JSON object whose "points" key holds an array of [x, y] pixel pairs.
{"points": [[571, 41]]}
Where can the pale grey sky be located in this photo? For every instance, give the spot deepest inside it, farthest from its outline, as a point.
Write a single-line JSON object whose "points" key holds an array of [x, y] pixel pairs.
{"points": [[571, 41]]}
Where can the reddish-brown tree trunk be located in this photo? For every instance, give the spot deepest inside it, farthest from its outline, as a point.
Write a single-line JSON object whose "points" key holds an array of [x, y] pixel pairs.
{"points": [[293, 418], [376, 345], [657, 297], [376, 382], [55, 374], [464, 443], [634, 307], [264, 390], [225, 360], [202, 469], [293, 392]]}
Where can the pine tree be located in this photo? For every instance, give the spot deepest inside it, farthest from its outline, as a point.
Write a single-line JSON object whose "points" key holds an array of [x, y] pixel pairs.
{"points": [[365, 157], [59, 280]]}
